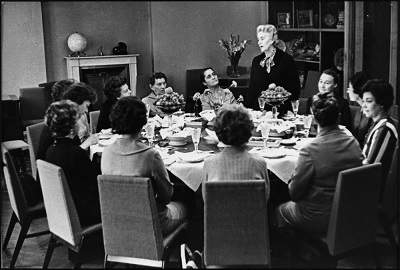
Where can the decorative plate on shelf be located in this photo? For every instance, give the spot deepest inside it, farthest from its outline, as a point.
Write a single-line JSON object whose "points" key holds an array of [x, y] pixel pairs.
{"points": [[329, 20], [339, 59]]}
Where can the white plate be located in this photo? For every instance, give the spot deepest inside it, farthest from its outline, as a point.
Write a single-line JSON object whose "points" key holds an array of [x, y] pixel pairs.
{"points": [[192, 157], [178, 143], [104, 136], [106, 142], [272, 153]]}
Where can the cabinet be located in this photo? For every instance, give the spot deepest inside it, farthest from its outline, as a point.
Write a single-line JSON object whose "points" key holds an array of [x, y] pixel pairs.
{"points": [[316, 33]]}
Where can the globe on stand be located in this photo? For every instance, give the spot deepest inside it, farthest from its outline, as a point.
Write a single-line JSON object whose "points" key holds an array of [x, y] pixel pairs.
{"points": [[77, 43]]}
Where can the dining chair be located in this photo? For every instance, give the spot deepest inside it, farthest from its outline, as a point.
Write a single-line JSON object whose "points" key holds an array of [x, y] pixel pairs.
{"points": [[131, 226], [94, 119], [389, 206], [16, 148], [354, 215], [34, 102], [311, 84], [62, 216], [33, 134], [236, 224], [22, 213]]}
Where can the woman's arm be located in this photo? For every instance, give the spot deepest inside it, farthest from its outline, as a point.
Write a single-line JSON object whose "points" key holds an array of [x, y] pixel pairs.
{"points": [[304, 173], [205, 99]]}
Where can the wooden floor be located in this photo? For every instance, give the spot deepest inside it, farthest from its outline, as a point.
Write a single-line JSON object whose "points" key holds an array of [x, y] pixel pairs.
{"points": [[34, 249]]}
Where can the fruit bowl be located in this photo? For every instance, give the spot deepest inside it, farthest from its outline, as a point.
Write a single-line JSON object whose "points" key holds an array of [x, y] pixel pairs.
{"points": [[276, 101], [170, 108]]}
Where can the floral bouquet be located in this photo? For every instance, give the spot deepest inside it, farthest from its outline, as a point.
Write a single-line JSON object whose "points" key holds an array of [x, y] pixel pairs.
{"points": [[234, 48]]}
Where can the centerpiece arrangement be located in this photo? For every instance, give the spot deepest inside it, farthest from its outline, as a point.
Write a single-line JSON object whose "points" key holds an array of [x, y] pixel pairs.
{"points": [[234, 48], [169, 103], [275, 96]]}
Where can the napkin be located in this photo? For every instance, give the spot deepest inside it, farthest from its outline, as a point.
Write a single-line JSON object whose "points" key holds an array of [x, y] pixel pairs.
{"points": [[174, 131], [208, 115], [212, 134], [176, 120]]}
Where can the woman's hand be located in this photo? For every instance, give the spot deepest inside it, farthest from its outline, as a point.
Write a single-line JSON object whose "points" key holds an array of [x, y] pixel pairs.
{"points": [[93, 139], [196, 96]]}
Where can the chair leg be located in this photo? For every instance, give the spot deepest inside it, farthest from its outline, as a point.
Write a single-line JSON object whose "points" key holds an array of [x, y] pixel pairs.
{"points": [[77, 264], [22, 235], [11, 226], [49, 253], [388, 231]]}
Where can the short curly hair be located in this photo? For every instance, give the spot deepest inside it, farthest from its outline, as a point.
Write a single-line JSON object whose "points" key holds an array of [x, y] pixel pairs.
{"points": [[358, 80], [80, 92], [269, 28], [128, 115], [61, 117], [58, 89], [112, 88], [382, 92], [156, 75], [233, 125], [325, 109]]}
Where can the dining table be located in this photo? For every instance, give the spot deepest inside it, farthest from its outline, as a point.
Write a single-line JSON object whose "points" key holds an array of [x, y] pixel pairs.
{"points": [[187, 165]]}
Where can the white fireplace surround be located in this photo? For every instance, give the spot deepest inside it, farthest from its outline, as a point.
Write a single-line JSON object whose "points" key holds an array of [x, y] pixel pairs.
{"points": [[74, 65]]}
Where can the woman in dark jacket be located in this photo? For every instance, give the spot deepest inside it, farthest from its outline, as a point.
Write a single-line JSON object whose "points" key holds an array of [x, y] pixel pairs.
{"points": [[81, 175], [272, 66]]}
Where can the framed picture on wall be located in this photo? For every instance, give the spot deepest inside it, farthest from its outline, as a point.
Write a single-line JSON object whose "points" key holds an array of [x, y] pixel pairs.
{"points": [[305, 18], [283, 20]]}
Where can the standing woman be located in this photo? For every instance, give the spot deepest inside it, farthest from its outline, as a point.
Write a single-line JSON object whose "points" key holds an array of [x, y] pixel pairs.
{"points": [[272, 66], [328, 84], [361, 123], [214, 96], [81, 175], [114, 89], [382, 137]]}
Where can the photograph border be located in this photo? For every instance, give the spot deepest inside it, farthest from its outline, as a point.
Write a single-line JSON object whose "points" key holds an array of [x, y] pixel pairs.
{"points": [[307, 13], [283, 24]]}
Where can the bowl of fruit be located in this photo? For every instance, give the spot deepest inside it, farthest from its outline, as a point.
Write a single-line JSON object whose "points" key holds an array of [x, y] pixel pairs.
{"points": [[170, 102], [275, 95]]}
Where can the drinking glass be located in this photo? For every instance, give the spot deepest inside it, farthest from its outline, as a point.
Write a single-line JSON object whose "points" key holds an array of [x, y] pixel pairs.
{"points": [[196, 138], [307, 123], [265, 129], [295, 106], [149, 128], [261, 103]]}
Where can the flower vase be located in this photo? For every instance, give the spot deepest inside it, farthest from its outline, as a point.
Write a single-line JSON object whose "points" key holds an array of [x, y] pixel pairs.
{"points": [[235, 67]]}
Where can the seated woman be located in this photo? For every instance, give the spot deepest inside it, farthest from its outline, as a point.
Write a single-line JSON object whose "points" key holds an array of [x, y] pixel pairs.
{"points": [[84, 95], [81, 175], [313, 184], [361, 123], [214, 96], [233, 127], [129, 156], [114, 89], [328, 83], [382, 137]]}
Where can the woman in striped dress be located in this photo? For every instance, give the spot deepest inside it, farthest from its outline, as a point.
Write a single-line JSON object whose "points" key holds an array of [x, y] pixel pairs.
{"points": [[382, 137]]}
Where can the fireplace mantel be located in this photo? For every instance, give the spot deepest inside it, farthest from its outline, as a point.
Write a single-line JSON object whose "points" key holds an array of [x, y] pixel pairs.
{"points": [[75, 64]]}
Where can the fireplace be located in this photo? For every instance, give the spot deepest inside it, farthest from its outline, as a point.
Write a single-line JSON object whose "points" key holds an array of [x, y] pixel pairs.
{"points": [[94, 70]]}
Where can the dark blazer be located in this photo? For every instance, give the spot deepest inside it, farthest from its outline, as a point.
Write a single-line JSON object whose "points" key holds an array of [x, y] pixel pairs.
{"points": [[104, 116], [283, 73], [81, 176]]}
